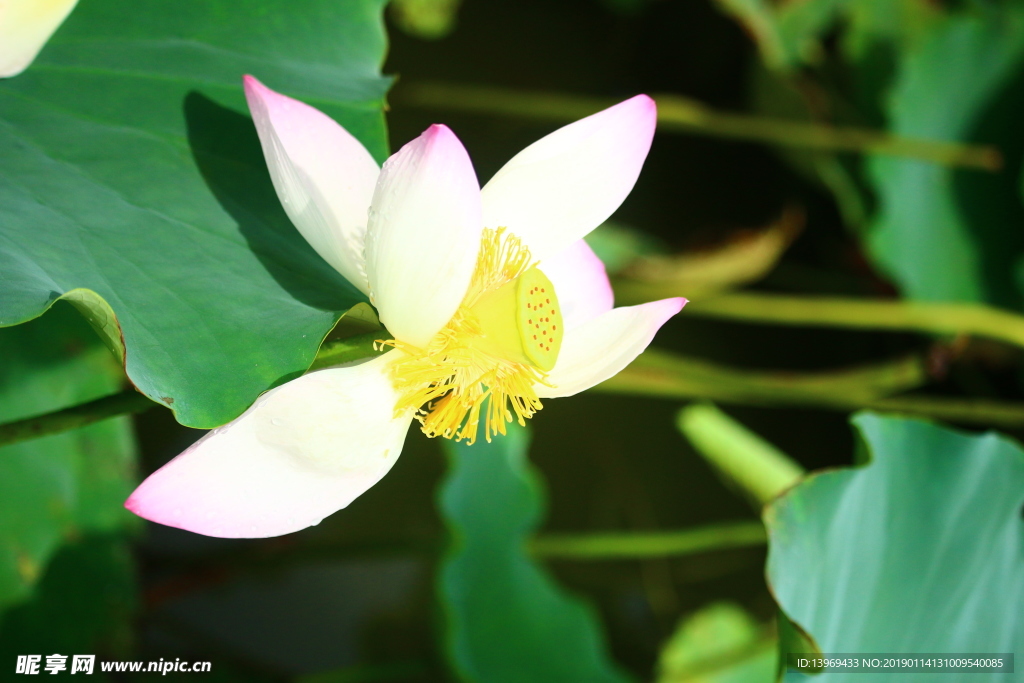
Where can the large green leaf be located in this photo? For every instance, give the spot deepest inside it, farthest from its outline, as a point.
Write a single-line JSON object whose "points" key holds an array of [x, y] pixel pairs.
{"points": [[507, 621], [922, 550], [940, 234], [57, 486], [946, 77], [128, 168]]}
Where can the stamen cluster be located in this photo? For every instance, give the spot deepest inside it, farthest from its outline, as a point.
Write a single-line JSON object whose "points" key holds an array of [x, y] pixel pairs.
{"points": [[450, 380]]}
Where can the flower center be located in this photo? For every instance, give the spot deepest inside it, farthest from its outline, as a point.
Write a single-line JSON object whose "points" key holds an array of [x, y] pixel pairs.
{"points": [[501, 341]]}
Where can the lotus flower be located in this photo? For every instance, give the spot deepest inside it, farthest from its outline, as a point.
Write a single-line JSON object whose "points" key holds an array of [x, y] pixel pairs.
{"points": [[25, 26], [491, 299]]}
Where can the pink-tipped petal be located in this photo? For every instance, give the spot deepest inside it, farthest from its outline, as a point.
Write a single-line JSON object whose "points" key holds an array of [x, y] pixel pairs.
{"points": [[600, 348], [564, 185], [324, 177], [303, 451], [581, 283], [424, 235], [25, 26]]}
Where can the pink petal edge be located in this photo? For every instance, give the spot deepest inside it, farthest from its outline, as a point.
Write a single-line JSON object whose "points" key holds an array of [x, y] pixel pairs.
{"points": [[303, 451], [600, 348]]}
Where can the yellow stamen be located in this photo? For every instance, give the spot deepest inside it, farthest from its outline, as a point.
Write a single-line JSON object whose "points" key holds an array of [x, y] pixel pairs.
{"points": [[491, 351]]}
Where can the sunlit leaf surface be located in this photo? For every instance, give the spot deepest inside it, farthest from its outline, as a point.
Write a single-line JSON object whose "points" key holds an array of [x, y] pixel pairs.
{"points": [[129, 166], [506, 619], [920, 551]]}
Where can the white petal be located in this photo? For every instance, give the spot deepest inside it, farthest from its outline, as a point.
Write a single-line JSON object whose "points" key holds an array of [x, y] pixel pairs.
{"points": [[25, 26], [324, 177], [424, 235], [303, 451], [564, 185], [581, 283], [601, 347]]}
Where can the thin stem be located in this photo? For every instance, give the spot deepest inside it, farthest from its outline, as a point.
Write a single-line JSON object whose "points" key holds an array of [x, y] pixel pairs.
{"points": [[685, 115], [812, 311], [131, 401], [587, 546], [621, 546], [755, 465], [64, 420], [664, 374], [968, 411], [657, 373]]}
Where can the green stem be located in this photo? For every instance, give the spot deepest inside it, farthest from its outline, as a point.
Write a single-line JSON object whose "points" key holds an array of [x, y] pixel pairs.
{"points": [[656, 373], [812, 311], [968, 411], [585, 546], [756, 466], [64, 420], [689, 116], [650, 544], [661, 373], [131, 401]]}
